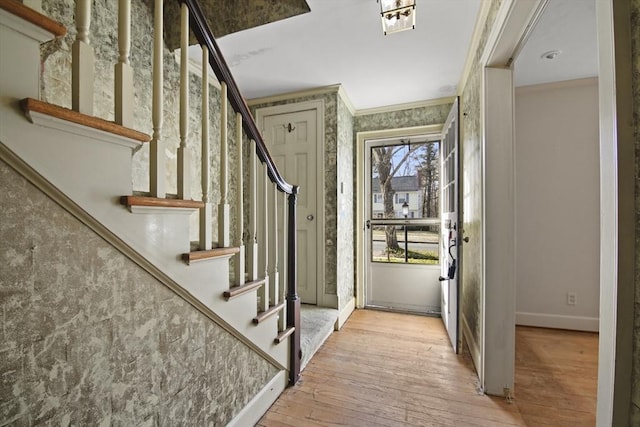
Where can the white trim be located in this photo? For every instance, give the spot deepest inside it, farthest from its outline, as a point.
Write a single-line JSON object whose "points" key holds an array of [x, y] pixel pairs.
{"points": [[322, 298], [346, 311], [361, 137], [347, 101], [259, 405], [473, 45], [51, 122], [405, 106], [97, 227], [23, 27], [565, 84], [161, 210], [288, 96], [558, 321], [339, 89], [617, 213], [474, 348]]}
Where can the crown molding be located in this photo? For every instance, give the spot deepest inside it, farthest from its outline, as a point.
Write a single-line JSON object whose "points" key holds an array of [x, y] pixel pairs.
{"points": [[323, 90], [405, 106]]}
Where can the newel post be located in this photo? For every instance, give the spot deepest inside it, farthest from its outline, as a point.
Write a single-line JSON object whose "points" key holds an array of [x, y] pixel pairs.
{"points": [[293, 300]]}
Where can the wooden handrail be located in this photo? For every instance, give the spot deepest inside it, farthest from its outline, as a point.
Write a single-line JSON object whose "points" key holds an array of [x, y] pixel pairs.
{"points": [[204, 36]]}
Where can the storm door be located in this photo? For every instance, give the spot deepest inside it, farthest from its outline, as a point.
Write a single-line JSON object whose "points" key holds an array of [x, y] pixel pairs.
{"points": [[403, 224]]}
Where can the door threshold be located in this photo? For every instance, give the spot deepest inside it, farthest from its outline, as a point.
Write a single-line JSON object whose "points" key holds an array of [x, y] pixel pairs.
{"points": [[403, 311]]}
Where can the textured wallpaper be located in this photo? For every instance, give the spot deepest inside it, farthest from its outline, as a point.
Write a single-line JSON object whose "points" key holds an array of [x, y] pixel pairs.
{"points": [[470, 141], [345, 205], [90, 338]]}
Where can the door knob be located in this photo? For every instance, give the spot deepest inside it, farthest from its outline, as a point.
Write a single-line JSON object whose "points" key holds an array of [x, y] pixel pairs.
{"points": [[310, 217], [466, 239]]}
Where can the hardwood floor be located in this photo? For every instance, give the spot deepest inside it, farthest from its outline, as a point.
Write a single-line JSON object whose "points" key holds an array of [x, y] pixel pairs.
{"points": [[388, 369]]}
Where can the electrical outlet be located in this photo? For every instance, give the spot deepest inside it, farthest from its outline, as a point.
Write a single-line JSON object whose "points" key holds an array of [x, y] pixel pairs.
{"points": [[572, 298]]}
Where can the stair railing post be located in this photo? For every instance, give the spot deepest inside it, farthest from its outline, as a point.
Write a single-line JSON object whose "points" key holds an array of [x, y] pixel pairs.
{"points": [[123, 69], [275, 275], [206, 211], [82, 61], [282, 321], [253, 213], [156, 147], [223, 209], [240, 257], [184, 155], [293, 301]]}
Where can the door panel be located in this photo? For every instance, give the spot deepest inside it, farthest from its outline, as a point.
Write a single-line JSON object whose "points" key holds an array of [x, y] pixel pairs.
{"points": [[291, 139], [450, 228]]}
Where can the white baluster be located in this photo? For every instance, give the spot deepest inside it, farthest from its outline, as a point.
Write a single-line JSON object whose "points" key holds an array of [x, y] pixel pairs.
{"points": [[156, 148], [123, 70], [282, 320], [240, 258], [205, 212], [265, 244], [82, 61], [223, 208], [275, 276], [253, 214], [184, 155]]}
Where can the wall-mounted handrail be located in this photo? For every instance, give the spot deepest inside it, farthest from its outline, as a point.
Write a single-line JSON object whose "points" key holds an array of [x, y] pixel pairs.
{"points": [[204, 36]]}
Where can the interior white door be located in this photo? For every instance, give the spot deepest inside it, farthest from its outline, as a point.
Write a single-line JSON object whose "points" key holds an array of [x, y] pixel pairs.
{"points": [[291, 139], [402, 252], [450, 226]]}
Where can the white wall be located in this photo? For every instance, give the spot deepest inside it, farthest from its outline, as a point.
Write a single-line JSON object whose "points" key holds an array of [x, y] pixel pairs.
{"points": [[557, 204]]}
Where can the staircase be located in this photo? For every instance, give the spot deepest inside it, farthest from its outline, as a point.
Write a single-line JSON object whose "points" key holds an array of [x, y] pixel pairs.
{"points": [[246, 282]]}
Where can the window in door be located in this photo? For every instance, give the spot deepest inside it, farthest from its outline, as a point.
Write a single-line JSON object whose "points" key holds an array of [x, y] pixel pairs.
{"points": [[405, 203]]}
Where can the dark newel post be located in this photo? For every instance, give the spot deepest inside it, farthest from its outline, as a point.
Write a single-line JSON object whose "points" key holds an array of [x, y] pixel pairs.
{"points": [[293, 301]]}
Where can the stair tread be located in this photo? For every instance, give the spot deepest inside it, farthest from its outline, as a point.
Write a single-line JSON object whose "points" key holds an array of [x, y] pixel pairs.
{"points": [[36, 18], [263, 315], [209, 254], [160, 202], [284, 335], [236, 291], [33, 105]]}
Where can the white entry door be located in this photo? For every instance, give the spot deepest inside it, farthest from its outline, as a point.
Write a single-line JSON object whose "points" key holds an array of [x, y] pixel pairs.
{"points": [[292, 141], [450, 227], [402, 253]]}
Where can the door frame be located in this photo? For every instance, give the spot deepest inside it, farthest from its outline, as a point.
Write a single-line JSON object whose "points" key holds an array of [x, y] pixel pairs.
{"points": [[361, 137], [322, 298], [617, 180]]}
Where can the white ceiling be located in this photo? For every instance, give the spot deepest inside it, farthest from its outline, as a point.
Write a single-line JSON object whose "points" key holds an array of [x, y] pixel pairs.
{"points": [[570, 27], [341, 41]]}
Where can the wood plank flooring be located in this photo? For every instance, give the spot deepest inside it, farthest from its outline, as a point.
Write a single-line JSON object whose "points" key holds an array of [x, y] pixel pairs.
{"points": [[388, 369]]}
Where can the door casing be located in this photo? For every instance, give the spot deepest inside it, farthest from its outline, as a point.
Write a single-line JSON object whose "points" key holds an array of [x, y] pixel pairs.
{"points": [[361, 202]]}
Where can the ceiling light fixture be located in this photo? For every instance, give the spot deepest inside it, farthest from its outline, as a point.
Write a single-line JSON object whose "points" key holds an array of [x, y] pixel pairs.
{"points": [[397, 15]]}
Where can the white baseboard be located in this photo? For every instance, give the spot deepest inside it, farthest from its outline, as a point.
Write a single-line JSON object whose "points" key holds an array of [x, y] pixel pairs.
{"points": [[558, 321], [345, 313], [474, 347], [258, 406]]}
